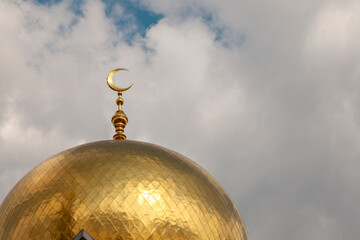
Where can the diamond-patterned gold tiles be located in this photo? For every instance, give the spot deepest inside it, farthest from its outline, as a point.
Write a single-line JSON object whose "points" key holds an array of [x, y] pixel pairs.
{"points": [[119, 190]]}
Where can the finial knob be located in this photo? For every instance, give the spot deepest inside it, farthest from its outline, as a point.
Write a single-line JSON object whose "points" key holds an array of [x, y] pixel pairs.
{"points": [[119, 119]]}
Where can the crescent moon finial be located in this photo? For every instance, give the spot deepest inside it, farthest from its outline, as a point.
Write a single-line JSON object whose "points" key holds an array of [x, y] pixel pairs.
{"points": [[111, 83], [119, 119]]}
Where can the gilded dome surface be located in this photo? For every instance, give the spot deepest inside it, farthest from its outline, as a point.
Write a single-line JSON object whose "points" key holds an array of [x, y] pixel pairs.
{"points": [[119, 190]]}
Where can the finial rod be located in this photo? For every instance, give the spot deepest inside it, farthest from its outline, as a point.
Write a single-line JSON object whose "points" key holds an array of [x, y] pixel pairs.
{"points": [[119, 119]]}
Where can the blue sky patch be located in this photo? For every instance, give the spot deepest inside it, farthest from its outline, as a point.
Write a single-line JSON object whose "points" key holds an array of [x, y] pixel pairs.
{"points": [[135, 18], [133, 14]]}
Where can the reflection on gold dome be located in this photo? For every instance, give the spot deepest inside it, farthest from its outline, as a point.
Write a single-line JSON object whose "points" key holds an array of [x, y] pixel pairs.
{"points": [[119, 190]]}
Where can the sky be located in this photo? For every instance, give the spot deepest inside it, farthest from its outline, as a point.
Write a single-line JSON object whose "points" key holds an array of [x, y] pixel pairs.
{"points": [[263, 94]]}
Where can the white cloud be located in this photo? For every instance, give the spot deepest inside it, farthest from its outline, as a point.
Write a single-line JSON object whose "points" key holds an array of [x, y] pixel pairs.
{"points": [[332, 38]]}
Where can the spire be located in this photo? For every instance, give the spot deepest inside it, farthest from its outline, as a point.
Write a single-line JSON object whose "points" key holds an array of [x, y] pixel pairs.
{"points": [[119, 119]]}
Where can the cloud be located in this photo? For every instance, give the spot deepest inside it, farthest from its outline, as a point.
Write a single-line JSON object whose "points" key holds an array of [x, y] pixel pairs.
{"points": [[263, 95]]}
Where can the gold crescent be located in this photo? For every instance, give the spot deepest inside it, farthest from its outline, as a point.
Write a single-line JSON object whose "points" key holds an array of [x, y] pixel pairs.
{"points": [[110, 81]]}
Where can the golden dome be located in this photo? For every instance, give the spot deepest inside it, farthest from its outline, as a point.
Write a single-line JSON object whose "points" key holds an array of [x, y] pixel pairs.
{"points": [[119, 190]]}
